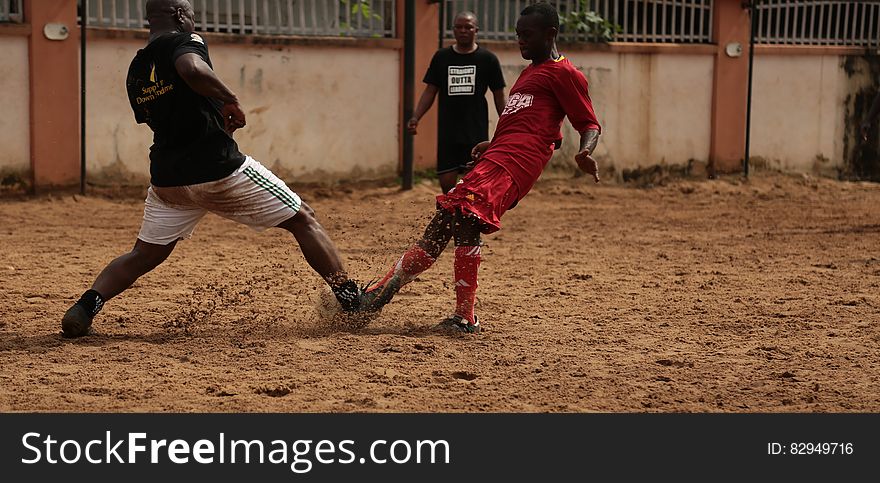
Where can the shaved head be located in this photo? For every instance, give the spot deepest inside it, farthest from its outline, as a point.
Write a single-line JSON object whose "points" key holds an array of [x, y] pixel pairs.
{"points": [[157, 9], [468, 15], [465, 29], [170, 15]]}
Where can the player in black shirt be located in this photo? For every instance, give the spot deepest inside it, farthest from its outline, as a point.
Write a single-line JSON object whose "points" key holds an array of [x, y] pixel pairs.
{"points": [[460, 74], [196, 167]]}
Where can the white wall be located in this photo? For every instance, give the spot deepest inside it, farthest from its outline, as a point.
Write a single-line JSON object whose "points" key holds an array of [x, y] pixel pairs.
{"points": [[326, 113], [653, 108], [314, 113], [15, 100], [116, 147], [799, 110]]}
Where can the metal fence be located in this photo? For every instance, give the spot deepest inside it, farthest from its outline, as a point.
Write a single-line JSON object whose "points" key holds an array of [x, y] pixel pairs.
{"points": [[10, 11], [818, 22], [655, 21], [353, 18]]}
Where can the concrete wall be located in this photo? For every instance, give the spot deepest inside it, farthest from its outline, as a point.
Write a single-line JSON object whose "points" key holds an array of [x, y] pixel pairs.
{"points": [[117, 148], [15, 98], [314, 113], [653, 108], [800, 111], [321, 112]]}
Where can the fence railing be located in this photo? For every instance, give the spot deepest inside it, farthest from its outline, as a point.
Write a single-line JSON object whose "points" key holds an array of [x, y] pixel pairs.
{"points": [[353, 18], [819, 22], [10, 11], [663, 21]]}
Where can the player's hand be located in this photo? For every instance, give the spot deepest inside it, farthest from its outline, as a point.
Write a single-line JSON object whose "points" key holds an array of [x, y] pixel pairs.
{"points": [[233, 117], [587, 164], [412, 126], [479, 149], [476, 153], [864, 129]]}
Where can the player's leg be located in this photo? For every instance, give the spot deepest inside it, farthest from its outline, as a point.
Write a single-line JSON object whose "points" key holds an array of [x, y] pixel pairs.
{"points": [[321, 254], [466, 266], [437, 233], [447, 180], [484, 195], [254, 196], [162, 226], [122, 272], [418, 258], [117, 276], [451, 160]]}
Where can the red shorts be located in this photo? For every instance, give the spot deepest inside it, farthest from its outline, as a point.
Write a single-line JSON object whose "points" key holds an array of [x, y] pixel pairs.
{"points": [[486, 193]]}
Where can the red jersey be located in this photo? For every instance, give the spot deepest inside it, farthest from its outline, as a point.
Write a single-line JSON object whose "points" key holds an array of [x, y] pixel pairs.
{"points": [[532, 120]]}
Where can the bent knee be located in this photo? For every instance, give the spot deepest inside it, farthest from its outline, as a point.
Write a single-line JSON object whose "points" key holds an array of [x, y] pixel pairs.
{"points": [[304, 219], [150, 257], [307, 210]]}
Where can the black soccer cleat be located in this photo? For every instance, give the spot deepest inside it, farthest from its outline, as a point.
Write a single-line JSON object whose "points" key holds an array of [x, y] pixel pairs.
{"points": [[378, 296], [457, 323], [76, 322]]}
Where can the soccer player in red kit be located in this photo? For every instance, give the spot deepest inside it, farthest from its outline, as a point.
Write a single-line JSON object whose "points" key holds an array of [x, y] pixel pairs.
{"points": [[505, 168]]}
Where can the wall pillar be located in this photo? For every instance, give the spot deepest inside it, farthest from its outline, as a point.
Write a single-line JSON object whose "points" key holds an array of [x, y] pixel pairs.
{"points": [[730, 88], [427, 35], [54, 95]]}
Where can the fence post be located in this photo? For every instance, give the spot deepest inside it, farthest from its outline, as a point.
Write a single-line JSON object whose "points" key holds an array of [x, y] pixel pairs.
{"points": [[54, 94], [729, 86], [409, 47], [421, 149]]}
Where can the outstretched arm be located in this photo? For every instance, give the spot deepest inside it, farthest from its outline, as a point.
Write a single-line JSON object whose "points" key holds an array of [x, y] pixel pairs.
{"points": [[872, 114], [425, 103], [203, 81], [584, 158]]}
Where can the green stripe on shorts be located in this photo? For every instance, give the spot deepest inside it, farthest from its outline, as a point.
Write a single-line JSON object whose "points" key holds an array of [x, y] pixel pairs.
{"points": [[275, 190]]}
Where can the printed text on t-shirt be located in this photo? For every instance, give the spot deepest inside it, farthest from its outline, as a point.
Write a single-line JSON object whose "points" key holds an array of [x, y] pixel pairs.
{"points": [[516, 102], [462, 80]]}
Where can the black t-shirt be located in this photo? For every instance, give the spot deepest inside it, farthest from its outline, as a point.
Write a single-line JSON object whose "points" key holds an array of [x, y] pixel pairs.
{"points": [[461, 81], [190, 144]]}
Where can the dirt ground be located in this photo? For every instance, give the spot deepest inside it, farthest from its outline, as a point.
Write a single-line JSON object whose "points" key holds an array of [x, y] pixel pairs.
{"points": [[724, 295]]}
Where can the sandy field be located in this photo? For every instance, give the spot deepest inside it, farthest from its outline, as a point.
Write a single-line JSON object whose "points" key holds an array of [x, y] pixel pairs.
{"points": [[729, 295]]}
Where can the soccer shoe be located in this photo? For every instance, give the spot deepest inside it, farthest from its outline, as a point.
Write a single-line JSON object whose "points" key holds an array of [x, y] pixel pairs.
{"points": [[378, 296], [458, 323], [76, 322], [350, 297]]}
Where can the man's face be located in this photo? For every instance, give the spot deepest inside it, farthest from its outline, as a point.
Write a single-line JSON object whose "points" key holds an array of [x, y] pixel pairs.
{"points": [[535, 41], [187, 16], [465, 29]]}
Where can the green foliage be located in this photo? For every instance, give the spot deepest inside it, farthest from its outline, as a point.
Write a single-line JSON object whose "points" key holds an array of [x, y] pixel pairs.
{"points": [[590, 23], [420, 175], [358, 7]]}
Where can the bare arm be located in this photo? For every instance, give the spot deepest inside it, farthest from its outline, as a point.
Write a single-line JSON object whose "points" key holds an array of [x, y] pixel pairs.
{"points": [[500, 100], [425, 103], [199, 76], [584, 158], [869, 119]]}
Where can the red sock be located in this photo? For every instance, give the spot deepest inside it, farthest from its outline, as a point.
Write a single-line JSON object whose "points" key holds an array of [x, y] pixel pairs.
{"points": [[467, 264], [411, 264]]}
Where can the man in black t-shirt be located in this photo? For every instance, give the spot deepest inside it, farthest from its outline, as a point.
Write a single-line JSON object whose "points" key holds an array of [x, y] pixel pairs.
{"points": [[460, 74], [196, 167]]}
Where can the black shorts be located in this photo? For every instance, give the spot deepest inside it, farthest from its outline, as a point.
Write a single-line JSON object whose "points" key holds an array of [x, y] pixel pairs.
{"points": [[452, 157]]}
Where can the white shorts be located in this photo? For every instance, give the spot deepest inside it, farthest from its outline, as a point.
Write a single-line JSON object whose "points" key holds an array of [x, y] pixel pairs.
{"points": [[252, 195]]}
